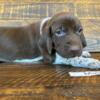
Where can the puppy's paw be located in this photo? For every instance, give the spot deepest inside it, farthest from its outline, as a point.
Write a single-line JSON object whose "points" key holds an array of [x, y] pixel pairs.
{"points": [[86, 54]]}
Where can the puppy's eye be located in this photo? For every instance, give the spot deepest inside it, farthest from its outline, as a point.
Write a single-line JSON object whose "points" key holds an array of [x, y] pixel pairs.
{"points": [[80, 30], [60, 32]]}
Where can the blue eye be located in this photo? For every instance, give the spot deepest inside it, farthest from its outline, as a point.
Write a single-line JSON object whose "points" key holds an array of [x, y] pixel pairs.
{"points": [[60, 32]]}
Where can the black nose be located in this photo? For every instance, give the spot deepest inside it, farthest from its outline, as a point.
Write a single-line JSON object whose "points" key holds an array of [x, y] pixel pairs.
{"points": [[75, 51]]}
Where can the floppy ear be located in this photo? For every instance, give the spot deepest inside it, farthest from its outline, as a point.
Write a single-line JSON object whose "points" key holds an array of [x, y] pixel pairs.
{"points": [[50, 44], [46, 44], [84, 43]]}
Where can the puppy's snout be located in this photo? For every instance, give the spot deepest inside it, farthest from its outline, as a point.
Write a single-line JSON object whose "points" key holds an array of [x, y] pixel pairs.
{"points": [[75, 51]]}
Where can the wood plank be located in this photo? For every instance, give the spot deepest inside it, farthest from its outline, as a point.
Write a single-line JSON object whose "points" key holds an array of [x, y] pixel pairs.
{"points": [[47, 82], [41, 10], [48, 1], [92, 34]]}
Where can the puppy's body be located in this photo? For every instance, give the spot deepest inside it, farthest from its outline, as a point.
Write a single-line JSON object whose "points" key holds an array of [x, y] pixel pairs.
{"points": [[19, 42], [60, 33]]}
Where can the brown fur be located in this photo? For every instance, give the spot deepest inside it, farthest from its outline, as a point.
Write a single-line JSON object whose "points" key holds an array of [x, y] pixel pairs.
{"points": [[26, 42]]}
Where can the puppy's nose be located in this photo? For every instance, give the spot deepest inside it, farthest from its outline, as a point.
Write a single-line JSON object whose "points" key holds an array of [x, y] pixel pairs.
{"points": [[75, 50]]}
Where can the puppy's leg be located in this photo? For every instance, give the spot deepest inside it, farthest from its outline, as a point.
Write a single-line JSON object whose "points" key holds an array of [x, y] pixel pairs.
{"points": [[86, 54]]}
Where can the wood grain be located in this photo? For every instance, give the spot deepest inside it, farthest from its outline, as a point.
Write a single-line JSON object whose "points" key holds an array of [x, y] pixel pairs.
{"points": [[47, 82]]}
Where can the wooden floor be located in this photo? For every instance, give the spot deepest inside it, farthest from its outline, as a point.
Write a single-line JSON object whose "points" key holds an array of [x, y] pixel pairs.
{"points": [[50, 82], [46, 82]]}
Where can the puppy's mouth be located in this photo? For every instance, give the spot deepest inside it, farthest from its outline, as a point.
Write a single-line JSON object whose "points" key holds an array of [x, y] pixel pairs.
{"points": [[70, 54]]}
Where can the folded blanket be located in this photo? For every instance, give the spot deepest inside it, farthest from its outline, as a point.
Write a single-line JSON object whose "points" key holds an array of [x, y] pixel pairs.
{"points": [[78, 62], [83, 61]]}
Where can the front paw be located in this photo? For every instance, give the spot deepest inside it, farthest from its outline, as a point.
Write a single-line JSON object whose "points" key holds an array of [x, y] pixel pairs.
{"points": [[48, 59], [86, 54]]}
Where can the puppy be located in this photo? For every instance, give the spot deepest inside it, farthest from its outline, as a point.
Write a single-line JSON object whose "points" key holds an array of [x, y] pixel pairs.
{"points": [[62, 34]]}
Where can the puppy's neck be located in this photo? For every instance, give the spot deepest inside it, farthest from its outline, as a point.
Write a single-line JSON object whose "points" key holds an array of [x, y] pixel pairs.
{"points": [[42, 23]]}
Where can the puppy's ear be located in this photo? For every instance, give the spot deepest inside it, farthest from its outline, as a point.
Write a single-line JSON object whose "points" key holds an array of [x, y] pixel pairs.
{"points": [[46, 44], [50, 44], [84, 43]]}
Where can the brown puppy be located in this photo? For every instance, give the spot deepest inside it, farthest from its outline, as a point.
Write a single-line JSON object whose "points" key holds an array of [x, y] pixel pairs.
{"points": [[62, 33]]}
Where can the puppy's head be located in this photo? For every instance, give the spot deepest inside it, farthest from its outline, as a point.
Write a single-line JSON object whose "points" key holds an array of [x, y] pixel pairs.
{"points": [[65, 35]]}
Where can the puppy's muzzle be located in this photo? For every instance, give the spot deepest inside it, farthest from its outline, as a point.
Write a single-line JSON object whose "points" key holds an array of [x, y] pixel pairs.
{"points": [[75, 46], [75, 50]]}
